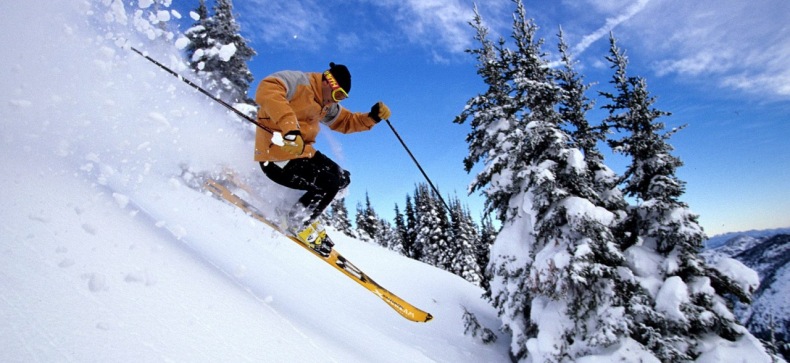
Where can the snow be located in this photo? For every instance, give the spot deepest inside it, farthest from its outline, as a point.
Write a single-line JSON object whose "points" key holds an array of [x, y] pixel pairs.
{"points": [[107, 255], [163, 16], [550, 316], [742, 350], [182, 43], [581, 209], [741, 274], [576, 161], [277, 139], [227, 51], [671, 296]]}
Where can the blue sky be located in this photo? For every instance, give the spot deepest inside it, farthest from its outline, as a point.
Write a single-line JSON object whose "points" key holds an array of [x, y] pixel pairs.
{"points": [[721, 67]]}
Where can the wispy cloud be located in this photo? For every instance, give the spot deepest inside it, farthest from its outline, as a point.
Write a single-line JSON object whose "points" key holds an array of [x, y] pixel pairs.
{"points": [[737, 45], [441, 23], [609, 25]]}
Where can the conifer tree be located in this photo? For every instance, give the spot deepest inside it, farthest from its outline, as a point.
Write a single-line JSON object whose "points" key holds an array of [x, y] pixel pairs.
{"points": [[464, 238], [432, 228], [401, 231], [367, 221], [688, 294], [409, 240], [339, 217], [219, 54], [557, 271], [496, 132], [386, 236], [198, 38], [574, 105], [483, 249], [604, 192], [573, 109]]}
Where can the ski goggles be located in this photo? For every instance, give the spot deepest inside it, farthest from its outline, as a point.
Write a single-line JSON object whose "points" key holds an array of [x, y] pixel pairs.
{"points": [[338, 93]]}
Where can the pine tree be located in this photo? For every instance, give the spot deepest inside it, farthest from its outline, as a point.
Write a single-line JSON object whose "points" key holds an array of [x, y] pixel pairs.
{"points": [[198, 38], [219, 53], [496, 133], [386, 236], [338, 216], [575, 104], [557, 270], [464, 238], [367, 221], [432, 228], [603, 191], [401, 231], [483, 250], [409, 239], [690, 295]]}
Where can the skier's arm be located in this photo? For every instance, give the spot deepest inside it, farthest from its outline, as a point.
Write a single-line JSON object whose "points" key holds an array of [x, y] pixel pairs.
{"points": [[348, 122], [272, 96]]}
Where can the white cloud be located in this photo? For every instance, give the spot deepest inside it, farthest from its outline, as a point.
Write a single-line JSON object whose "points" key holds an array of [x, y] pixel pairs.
{"points": [[740, 45], [624, 13], [443, 23]]}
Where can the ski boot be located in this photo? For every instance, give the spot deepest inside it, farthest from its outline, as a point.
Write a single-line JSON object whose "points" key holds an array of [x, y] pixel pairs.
{"points": [[314, 236]]}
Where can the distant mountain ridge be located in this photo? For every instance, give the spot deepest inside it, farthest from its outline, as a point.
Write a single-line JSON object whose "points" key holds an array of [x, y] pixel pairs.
{"points": [[719, 240]]}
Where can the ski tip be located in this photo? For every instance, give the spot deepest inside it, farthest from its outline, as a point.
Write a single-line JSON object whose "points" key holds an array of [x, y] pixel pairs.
{"points": [[428, 318]]}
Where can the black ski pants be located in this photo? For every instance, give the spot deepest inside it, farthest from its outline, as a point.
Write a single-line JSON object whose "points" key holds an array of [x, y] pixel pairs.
{"points": [[320, 178]]}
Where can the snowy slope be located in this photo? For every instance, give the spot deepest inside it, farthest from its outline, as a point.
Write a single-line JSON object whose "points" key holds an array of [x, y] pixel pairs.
{"points": [[107, 255], [769, 313]]}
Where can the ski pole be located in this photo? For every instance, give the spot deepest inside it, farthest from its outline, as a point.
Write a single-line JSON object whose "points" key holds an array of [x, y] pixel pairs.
{"points": [[418, 165], [203, 91]]}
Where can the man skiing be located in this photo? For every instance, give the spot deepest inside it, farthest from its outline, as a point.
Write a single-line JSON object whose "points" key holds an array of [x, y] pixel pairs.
{"points": [[293, 104]]}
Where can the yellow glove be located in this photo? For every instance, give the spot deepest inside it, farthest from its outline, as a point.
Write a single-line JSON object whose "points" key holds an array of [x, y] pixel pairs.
{"points": [[379, 112], [293, 143]]}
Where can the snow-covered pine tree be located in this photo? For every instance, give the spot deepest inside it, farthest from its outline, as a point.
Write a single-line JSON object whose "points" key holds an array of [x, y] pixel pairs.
{"points": [[219, 53], [558, 275], [432, 228], [645, 324], [483, 249], [386, 236], [492, 118], [409, 239], [198, 37], [338, 217], [663, 238], [496, 132], [463, 240], [574, 105], [573, 108], [401, 230], [367, 221]]}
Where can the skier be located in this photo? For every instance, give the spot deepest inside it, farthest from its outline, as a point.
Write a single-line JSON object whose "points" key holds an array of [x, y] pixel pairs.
{"points": [[293, 104]]}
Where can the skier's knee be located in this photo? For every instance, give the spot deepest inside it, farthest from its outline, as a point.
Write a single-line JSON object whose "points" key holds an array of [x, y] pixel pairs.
{"points": [[345, 180]]}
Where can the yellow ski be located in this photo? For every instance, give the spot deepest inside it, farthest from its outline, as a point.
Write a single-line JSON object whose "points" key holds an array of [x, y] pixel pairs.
{"points": [[334, 259]]}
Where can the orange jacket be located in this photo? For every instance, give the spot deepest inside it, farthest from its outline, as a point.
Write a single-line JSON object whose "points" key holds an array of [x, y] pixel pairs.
{"points": [[292, 100]]}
